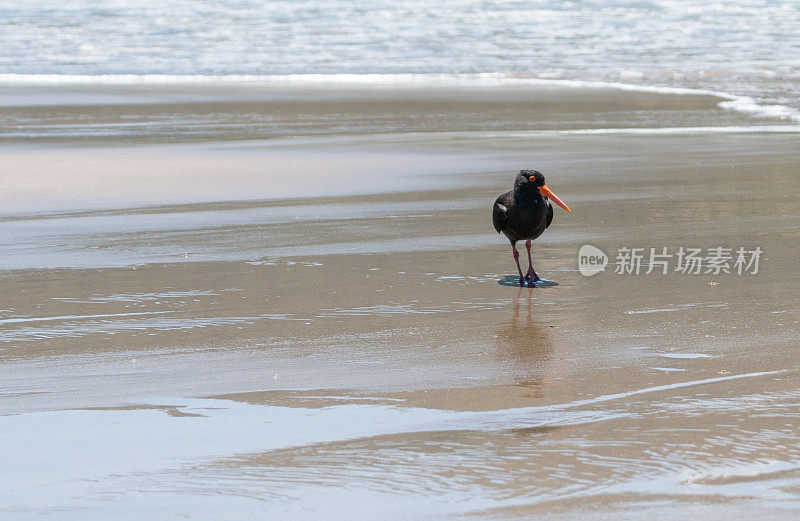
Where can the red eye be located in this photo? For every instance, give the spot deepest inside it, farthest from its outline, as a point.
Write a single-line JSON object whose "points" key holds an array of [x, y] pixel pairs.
{"points": [[532, 178]]}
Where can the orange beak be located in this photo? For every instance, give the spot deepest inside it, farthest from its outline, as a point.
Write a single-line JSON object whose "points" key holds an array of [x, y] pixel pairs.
{"points": [[553, 197]]}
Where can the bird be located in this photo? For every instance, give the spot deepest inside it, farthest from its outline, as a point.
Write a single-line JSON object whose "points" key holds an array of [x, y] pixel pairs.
{"points": [[523, 214]]}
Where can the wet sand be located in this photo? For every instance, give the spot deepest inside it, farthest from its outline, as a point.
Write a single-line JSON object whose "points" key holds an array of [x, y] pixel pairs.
{"points": [[169, 113], [317, 327]]}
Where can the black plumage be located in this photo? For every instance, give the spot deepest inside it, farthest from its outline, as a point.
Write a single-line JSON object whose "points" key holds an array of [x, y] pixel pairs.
{"points": [[524, 213]]}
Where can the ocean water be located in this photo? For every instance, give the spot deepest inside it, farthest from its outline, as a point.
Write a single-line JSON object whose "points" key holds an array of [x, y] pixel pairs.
{"points": [[749, 50]]}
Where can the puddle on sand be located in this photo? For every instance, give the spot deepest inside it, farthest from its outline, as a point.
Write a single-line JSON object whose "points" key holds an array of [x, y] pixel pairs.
{"points": [[136, 297], [411, 308], [78, 327], [688, 356], [398, 459]]}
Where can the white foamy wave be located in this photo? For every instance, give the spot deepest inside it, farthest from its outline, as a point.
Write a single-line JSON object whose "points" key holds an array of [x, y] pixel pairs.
{"points": [[743, 104], [749, 106], [403, 79], [125, 79]]}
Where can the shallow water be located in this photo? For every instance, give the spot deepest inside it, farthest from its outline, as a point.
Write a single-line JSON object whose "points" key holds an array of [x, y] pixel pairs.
{"points": [[390, 458]]}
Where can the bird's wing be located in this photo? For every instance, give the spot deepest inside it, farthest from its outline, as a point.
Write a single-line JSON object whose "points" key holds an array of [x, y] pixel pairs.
{"points": [[549, 214], [500, 213]]}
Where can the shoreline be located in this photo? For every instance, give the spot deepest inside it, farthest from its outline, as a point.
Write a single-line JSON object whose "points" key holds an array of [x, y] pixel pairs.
{"points": [[739, 103], [152, 114]]}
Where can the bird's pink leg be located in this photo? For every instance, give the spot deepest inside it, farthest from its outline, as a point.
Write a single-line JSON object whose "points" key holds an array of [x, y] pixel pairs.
{"points": [[531, 276], [516, 259]]}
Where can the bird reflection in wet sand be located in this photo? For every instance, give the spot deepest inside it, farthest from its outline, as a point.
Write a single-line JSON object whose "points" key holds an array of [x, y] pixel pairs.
{"points": [[526, 346]]}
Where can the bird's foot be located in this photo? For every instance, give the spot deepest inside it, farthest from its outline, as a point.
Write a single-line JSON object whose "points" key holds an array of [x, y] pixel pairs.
{"points": [[532, 277]]}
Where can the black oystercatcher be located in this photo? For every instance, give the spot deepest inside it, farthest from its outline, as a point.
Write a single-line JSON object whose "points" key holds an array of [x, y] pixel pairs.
{"points": [[524, 213]]}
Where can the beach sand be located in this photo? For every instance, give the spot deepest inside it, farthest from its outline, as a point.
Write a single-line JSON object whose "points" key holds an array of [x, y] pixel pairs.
{"points": [[323, 323]]}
